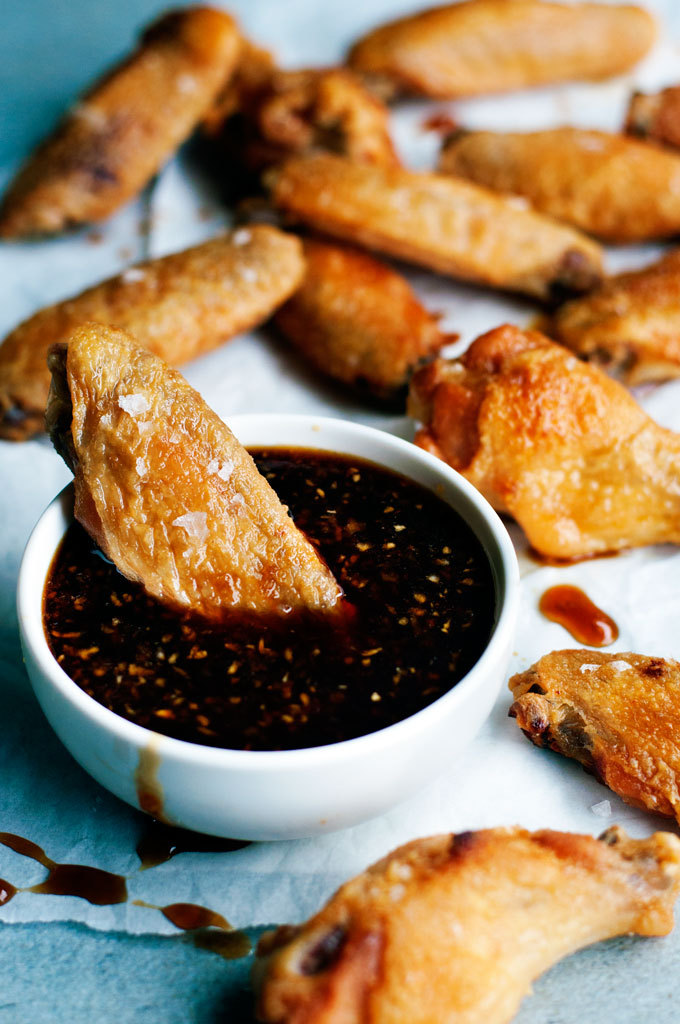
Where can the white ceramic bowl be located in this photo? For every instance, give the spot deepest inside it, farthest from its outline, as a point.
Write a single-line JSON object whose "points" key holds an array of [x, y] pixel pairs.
{"points": [[277, 794]]}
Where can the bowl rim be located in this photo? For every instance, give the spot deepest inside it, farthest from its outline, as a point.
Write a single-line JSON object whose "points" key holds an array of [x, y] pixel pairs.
{"points": [[184, 751]]}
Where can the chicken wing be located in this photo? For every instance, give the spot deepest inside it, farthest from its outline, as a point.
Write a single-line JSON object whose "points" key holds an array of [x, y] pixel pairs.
{"points": [[450, 226], [630, 326], [123, 130], [618, 714], [358, 321], [555, 442], [455, 927], [166, 490], [655, 116], [487, 46], [615, 187], [178, 307]]}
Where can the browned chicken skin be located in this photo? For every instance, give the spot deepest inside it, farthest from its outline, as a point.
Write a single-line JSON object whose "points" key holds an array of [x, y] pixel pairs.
{"points": [[124, 129], [655, 116], [630, 325], [612, 186], [563, 448], [437, 222], [618, 714], [166, 490], [487, 46], [359, 321], [178, 307], [456, 927]]}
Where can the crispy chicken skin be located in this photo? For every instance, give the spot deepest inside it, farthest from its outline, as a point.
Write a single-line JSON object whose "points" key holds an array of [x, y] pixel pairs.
{"points": [[553, 441], [612, 186], [655, 116], [118, 136], [178, 307], [359, 321], [166, 490], [488, 46], [618, 714], [630, 325], [455, 927], [430, 219], [294, 112]]}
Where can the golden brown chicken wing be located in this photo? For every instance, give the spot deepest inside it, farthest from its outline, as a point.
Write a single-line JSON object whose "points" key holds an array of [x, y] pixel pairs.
{"points": [[618, 714], [486, 46], [655, 116], [456, 927], [630, 325], [450, 226], [612, 186], [555, 442], [358, 321], [178, 307], [123, 130], [167, 491]]}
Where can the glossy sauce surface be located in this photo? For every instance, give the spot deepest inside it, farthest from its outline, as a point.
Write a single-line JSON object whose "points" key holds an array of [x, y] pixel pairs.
{"points": [[422, 607], [573, 609]]}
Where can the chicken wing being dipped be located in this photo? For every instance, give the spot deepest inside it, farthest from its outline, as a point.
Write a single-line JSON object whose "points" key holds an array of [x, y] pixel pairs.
{"points": [[166, 490], [122, 131], [630, 325], [655, 116], [488, 46], [178, 307], [437, 222], [456, 927], [612, 186], [358, 321], [618, 714], [554, 442]]}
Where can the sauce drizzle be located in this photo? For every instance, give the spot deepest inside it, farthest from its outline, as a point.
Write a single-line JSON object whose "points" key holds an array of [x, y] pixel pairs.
{"points": [[160, 843], [573, 609], [101, 888]]}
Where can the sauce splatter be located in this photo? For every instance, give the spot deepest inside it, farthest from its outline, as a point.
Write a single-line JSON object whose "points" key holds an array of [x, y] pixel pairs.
{"points": [[207, 929], [573, 609], [102, 888], [160, 843]]}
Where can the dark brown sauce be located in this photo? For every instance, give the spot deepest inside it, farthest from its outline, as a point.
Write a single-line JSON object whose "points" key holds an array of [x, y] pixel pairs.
{"points": [[416, 575], [208, 929], [573, 609], [99, 887], [440, 122], [7, 891], [149, 790], [160, 842]]}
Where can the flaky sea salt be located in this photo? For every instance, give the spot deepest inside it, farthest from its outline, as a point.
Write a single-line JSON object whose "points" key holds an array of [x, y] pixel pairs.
{"points": [[132, 275], [141, 467], [603, 809], [620, 665], [224, 471], [588, 667], [195, 524], [135, 405], [242, 236]]}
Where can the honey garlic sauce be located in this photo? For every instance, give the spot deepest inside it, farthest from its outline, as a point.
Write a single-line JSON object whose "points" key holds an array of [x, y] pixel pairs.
{"points": [[573, 609], [423, 604]]}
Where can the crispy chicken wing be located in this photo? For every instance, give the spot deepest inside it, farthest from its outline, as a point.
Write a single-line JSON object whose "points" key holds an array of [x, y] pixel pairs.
{"points": [[166, 490], [450, 226], [487, 46], [555, 442], [655, 116], [615, 187], [178, 307], [359, 321], [630, 325], [618, 714], [123, 130], [455, 928]]}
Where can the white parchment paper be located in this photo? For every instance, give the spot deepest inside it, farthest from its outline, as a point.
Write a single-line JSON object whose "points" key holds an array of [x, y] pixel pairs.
{"points": [[501, 778]]}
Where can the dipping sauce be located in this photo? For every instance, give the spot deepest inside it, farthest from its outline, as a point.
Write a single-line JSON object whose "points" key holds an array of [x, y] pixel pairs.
{"points": [[574, 610], [423, 606]]}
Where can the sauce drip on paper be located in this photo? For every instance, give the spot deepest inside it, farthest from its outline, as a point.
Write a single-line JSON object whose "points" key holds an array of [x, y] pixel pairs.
{"points": [[573, 609]]}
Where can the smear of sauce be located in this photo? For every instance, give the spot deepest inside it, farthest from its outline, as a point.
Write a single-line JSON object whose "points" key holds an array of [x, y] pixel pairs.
{"points": [[560, 563], [573, 609], [160, 842], [7, 890], [207, 929], [441, 122], [149, 790], [99, 887]]}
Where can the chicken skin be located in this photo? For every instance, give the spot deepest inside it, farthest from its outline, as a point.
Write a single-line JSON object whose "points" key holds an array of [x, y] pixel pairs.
{"points": [[166, 490], [655, 116], [554, 442], [432, 220], [359, 321], [612, 186], [630, 325], [178, 307], [617, 714], [455, 928], [126, 127], [488, 46]]}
